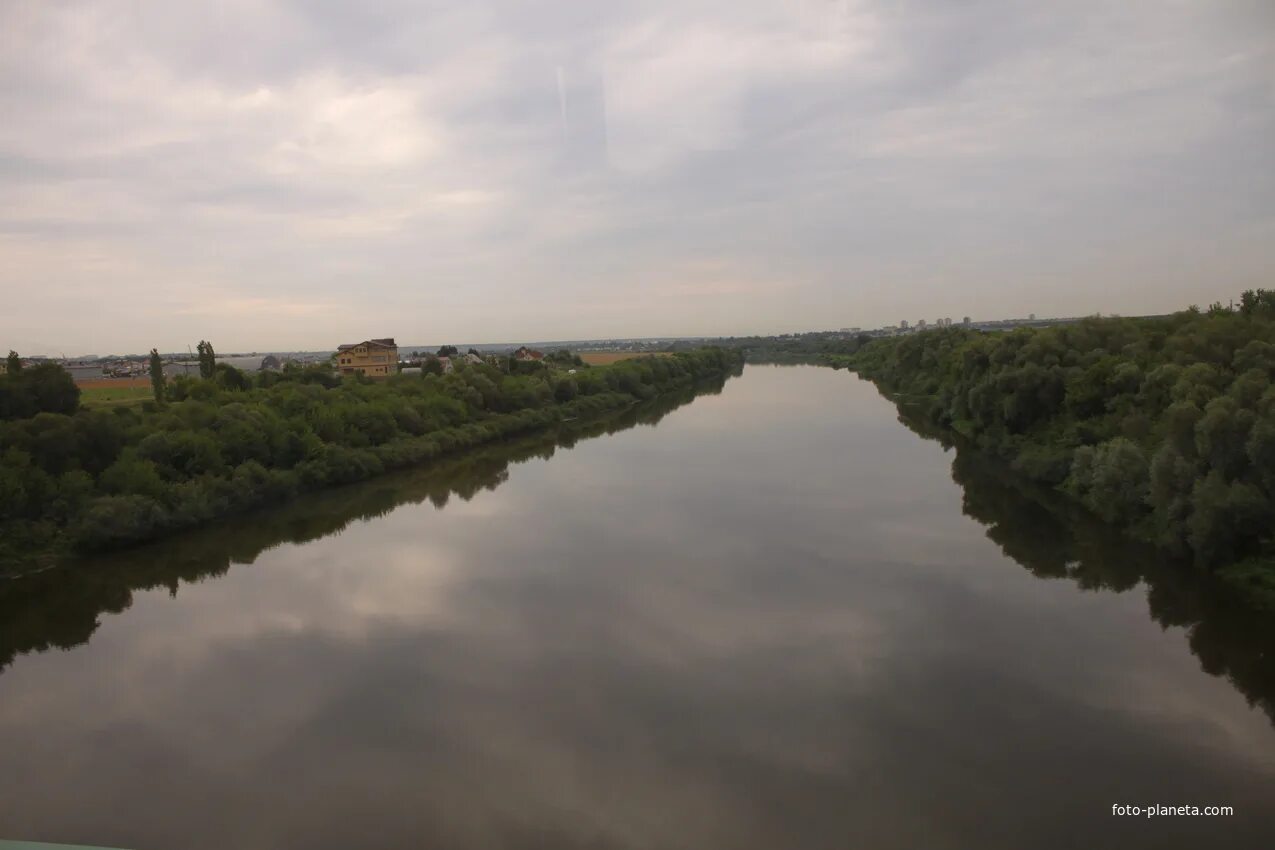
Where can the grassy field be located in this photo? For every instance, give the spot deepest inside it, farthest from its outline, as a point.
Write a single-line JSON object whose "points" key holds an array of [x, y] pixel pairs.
{"points": [[604, 358], [110, 392]]}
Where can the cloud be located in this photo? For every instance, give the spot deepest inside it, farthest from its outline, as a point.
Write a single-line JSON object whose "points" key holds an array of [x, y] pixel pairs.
{"points": [[493, 171], [677, 85]]}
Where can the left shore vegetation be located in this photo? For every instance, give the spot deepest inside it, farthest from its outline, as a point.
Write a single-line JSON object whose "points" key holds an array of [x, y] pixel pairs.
{"points": [[80, 480]]}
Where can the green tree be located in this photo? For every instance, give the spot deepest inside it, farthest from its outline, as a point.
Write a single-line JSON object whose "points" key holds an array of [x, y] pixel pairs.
{"points": [[231, 378], [1261, 452], [207, 359], [1118, 480], [51, 388], [157, 375], [1198, 384], [1224, 519], [1256, 302], [132, 475], [111, 521], [1169, 495], [1221, 434], [13, 364], [565, 389], [184, 454], [563, 357]]}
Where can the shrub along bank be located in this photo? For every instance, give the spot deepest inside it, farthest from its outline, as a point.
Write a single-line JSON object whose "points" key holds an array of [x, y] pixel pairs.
{"points": [[94, 479]]}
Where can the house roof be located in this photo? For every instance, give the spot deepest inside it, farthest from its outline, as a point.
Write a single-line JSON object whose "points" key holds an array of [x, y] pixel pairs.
{"points": [[386, 342]]}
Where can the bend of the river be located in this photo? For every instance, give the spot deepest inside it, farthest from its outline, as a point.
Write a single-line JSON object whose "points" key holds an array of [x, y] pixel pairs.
{"points": [[773, 616]]}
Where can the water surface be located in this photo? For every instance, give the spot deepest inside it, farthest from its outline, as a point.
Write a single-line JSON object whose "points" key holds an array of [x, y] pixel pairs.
{"points": [[774, 617]]}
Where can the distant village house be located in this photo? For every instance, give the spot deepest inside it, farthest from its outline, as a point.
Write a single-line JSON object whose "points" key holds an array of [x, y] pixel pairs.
{"points": [[376, 358], [526, 353]]}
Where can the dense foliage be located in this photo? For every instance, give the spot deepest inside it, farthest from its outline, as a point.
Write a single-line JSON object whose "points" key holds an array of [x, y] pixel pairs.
{"points": [[62, 607], [1164, 427], [93, 479], [26, 391], [1053, 536]]}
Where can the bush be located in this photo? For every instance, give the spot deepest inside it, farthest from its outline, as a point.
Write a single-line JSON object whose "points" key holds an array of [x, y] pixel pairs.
{"points": [[113, 521]]}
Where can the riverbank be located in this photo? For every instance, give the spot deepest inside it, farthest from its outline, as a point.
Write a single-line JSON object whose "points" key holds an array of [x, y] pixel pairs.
{"points": [[1251, 580], [1171, 440], [102, 480], [62, 603]]}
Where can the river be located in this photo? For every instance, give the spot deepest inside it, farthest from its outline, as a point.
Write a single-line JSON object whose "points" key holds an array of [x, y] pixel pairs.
{"points": [[773, 616]]}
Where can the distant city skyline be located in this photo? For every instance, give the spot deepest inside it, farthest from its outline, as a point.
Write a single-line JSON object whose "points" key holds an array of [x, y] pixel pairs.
{"points": [[290, 176]]}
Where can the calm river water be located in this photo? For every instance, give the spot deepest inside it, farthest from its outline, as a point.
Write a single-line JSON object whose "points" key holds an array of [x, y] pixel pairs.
{"points": [[774, 616]]}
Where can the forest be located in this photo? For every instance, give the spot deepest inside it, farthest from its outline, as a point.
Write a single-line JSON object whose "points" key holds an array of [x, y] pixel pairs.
{"points": [[1163, 427], [84, 480]]}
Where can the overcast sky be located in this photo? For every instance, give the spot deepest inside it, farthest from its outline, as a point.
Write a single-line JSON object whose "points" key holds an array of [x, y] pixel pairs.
{"points": [[280, 175]]}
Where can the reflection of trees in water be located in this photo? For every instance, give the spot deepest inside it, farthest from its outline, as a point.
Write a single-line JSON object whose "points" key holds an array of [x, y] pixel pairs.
{"points": [[60, 607], [1052, 537]]}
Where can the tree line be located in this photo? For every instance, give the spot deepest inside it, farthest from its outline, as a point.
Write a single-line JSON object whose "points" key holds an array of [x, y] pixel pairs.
{"points": [[1164, 427], [63, 607], [1054, 537], [89, 479]]}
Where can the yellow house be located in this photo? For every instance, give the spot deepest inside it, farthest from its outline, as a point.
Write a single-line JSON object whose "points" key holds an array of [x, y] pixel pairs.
{"points": [[376, 358]]}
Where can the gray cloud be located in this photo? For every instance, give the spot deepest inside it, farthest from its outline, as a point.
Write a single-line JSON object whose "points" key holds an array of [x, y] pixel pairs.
{"points": [[273, 175]]}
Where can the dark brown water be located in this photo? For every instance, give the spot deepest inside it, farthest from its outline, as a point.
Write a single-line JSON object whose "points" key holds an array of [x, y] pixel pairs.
{"points": [[779, 618]]}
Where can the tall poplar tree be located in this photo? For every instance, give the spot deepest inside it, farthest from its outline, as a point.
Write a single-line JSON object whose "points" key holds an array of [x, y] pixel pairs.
{"points": [[207, 360], [157, 376]]}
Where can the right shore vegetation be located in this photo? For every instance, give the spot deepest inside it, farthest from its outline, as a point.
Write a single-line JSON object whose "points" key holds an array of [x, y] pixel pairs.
{"points": [[1162, 426]]}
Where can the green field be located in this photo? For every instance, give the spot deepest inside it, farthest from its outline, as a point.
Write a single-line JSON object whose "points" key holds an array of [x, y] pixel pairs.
{"points": [[111, 396]]}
